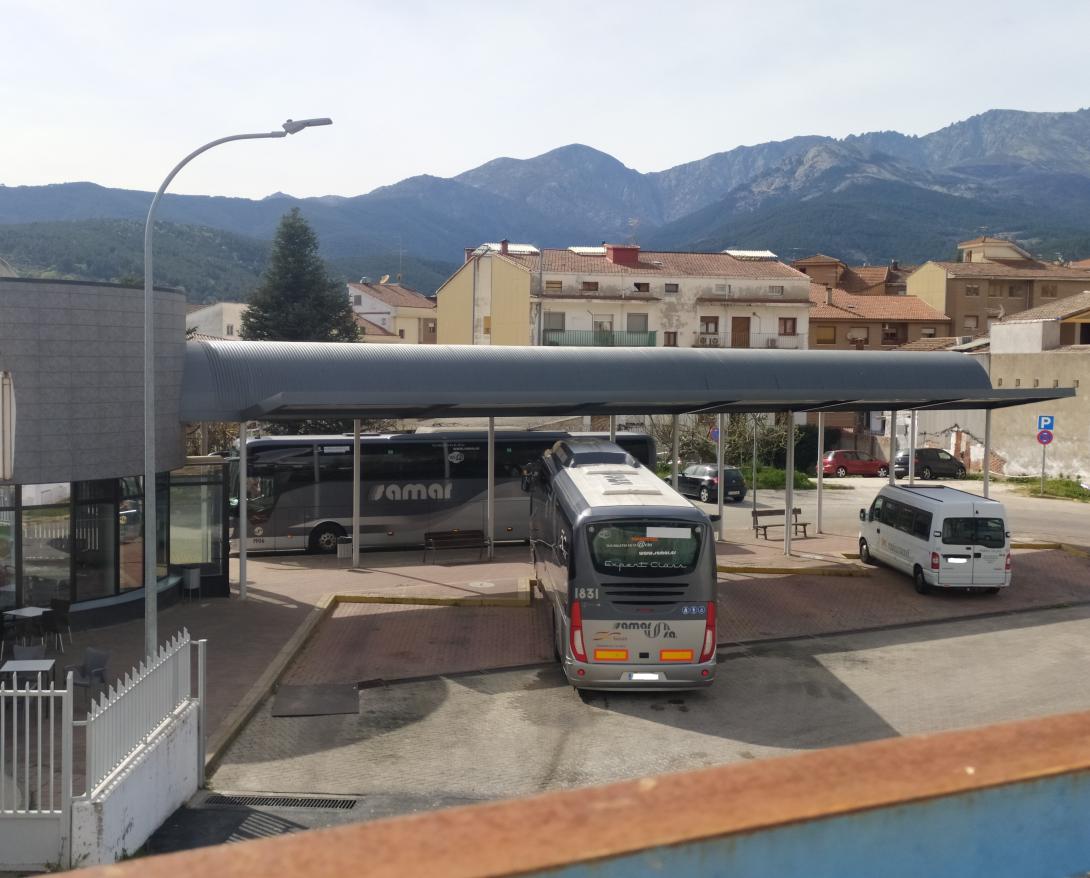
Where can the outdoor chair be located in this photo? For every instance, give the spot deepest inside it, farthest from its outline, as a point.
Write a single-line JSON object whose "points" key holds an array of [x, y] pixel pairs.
{"points": [[57, 621], [92, 672], [9, 630], [29, 653]]}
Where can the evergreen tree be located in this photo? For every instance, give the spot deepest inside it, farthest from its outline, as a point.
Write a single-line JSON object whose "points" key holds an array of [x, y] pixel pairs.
{"points": [[297, 299]]}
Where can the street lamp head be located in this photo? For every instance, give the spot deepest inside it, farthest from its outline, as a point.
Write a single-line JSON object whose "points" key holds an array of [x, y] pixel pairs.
{"points": [[293, 127]]}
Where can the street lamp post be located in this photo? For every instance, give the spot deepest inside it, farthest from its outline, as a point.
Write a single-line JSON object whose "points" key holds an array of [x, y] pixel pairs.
{"points": [[151, 595]]}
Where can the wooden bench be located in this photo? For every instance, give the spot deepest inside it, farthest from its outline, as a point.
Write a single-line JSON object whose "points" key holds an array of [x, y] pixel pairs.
{"points": [[758, 514], [454, 539]]}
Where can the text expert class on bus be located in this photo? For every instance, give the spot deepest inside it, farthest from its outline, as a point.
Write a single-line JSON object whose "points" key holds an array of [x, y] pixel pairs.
{"points": [[300, 487], [628, 567]]}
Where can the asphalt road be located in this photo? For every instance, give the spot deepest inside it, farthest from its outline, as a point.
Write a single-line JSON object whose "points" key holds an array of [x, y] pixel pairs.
{"points": [[1030, 517], [450, 740]]}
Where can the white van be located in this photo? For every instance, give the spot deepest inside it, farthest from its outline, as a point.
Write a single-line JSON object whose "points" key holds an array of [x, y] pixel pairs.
{"points": [[940, 536]]}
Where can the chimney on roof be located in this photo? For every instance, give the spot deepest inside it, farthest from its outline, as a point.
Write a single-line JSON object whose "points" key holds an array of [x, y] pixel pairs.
{"points": [[503, 246], [828, 295], [627, 255], [893, 265], [469, 253]]}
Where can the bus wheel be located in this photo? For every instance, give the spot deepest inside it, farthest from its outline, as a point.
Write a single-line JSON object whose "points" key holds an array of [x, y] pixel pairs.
{"points": [[921, 584], [324, 538]]}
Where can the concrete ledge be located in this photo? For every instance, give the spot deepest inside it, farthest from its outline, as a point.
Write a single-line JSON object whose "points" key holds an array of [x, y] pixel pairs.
{"points": [[822, 570], [523, 598]]}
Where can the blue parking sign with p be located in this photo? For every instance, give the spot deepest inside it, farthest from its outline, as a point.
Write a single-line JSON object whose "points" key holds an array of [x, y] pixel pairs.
{"points": [[1046, 422]]}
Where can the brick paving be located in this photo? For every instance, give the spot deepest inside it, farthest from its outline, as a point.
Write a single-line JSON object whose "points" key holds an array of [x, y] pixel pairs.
{"points": [[361, 642]]}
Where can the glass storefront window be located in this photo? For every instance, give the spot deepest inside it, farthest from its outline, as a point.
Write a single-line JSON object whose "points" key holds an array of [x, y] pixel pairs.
{"points": [[47, 551], [130, 524], [196, 517], [7, 547]]}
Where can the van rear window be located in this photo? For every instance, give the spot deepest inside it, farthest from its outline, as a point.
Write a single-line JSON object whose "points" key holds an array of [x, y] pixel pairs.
{"points": [[645, 548], [987, 532]]}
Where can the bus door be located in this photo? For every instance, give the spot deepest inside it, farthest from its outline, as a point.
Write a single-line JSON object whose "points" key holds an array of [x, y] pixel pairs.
{"points": [[284, 480]]}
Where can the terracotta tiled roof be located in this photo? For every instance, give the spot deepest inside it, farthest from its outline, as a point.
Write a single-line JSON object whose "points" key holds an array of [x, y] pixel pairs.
{"points": [[395, 294], [203, 336], [942, 343], [369, 327], [1058, 310], [657, 264], [818, 259], [1081, 263], [999, 270], [984, 239], [846, 306]]}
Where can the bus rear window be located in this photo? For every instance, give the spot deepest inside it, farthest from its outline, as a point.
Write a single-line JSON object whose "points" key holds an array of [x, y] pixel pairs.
{"points": [[987, 532], [645, 549]]}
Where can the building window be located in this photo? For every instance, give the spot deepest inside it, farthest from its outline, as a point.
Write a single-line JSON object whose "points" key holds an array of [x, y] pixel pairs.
{"points": [[1048, 291], [999, 383], [824, 335], [486, 320], [671, 288], [554, 321], [643, 287], [927, 332], [893, 333], [1017, 382], [968, 255], [709, 325], [1015, 291], [554, 285], [972, 321], [401, 332], [972, 289], [589, 286], [788, 326], [775, 290], [669, 339], [230, 329], [722, 288], [357, 300], [636, 323], [859, 336]]}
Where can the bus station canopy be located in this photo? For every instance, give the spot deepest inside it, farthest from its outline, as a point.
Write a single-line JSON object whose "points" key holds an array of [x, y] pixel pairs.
{"points": [[252, 380]]}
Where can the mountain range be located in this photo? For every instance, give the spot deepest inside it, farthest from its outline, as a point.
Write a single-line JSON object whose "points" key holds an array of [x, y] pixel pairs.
{"points": [[865, 198]]}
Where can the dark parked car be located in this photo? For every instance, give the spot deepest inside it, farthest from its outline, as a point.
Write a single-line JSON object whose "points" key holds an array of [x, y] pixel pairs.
{"points": [[853, 463], [931, 463], [700, 481]]}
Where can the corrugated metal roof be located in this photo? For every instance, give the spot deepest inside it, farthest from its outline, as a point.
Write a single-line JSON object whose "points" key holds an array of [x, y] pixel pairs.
{"points": [[230, 381]]}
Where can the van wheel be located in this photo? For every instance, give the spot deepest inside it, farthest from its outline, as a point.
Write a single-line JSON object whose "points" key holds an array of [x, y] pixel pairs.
{"points": [[841, 472], [921, 584], [864, 553], [705, 495], [926, 474], [883, 472], [323, 539]]}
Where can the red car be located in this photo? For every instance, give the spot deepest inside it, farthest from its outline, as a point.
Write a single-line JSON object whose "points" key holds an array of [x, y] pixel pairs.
{"points": [[853, 463]]}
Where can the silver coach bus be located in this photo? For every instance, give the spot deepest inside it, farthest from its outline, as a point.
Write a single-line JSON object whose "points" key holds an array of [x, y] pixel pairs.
{"points": [[300, 487], [628, 566]]}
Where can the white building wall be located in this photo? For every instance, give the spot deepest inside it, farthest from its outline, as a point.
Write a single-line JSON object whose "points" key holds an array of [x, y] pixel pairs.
{"points": [[1024, 338], [217, 319], [370, 308]]}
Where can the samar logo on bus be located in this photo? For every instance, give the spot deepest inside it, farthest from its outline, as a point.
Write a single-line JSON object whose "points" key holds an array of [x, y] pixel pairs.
{"points": [[651, 629], [413, 491]]}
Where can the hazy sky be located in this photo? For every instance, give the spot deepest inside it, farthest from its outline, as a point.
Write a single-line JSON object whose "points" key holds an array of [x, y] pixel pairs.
{"points": [[117, 91]]}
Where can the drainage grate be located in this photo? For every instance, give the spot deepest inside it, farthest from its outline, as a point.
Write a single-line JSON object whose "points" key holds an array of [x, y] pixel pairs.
{"points": [[280, 802]]}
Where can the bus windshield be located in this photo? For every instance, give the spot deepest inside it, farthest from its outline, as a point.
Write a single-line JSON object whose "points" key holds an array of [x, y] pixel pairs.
{"points": [[645, 548]]}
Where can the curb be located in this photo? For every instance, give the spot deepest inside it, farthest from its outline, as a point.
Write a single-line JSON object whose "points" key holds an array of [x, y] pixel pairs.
{"points": [[837, 570], [1024, 545], [248, 705]]}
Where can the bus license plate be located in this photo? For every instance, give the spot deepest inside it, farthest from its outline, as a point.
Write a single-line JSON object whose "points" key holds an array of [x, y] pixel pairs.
{"points": [[643, 677]]}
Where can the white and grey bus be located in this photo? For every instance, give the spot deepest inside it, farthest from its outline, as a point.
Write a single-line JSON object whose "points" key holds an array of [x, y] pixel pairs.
{"points": [[300, 487], [628, 567]]}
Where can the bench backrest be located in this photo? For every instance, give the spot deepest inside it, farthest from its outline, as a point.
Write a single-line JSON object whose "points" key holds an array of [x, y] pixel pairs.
{"points": [[765, 513]]}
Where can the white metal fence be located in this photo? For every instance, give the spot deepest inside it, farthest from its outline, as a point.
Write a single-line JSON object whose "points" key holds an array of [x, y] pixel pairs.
{"points": [[126, 715], [35, 736]]}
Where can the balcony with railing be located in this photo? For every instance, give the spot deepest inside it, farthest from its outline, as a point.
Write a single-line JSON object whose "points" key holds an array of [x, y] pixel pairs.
{"points": [[750, 340], [599, 338]]}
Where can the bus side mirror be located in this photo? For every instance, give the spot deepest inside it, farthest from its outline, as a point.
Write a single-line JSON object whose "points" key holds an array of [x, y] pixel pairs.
{"points": [[862, 514]]}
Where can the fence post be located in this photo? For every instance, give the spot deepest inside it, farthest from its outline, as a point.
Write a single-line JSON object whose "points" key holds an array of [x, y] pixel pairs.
{"points": [[202, 710], [66, 773]]}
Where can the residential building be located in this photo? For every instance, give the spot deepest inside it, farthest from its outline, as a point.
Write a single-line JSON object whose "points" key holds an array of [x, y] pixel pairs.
{"points": [[1047, 346], [994, 279], [862, 280], [219, 320], [402, 312], [620, 295], [839, 319]]}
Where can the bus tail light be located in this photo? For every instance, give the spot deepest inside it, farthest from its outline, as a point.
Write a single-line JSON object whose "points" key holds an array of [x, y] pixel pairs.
{"points": [[578, 650], [708, 652], [934, 560], [1007, 565]]}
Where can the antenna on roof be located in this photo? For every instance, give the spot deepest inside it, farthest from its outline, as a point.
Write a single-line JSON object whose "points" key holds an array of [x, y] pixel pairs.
{"points": [[384, 279]]}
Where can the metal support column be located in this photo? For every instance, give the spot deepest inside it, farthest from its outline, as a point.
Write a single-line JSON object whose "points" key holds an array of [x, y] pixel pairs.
{"points": [[789, 486], [491, 503], [892, 444], [719, 471], [674, 442], [612, 428], [243, 529], [356, 475], [987, 450], [820, 465], [911, 451]]}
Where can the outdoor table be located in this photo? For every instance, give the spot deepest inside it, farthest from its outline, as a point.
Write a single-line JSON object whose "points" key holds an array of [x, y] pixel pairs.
{"points": [[27, 666], [27, 612]]}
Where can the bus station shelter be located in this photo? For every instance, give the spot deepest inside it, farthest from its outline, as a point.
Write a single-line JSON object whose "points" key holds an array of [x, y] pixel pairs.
{"points": [[243, 381]]}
